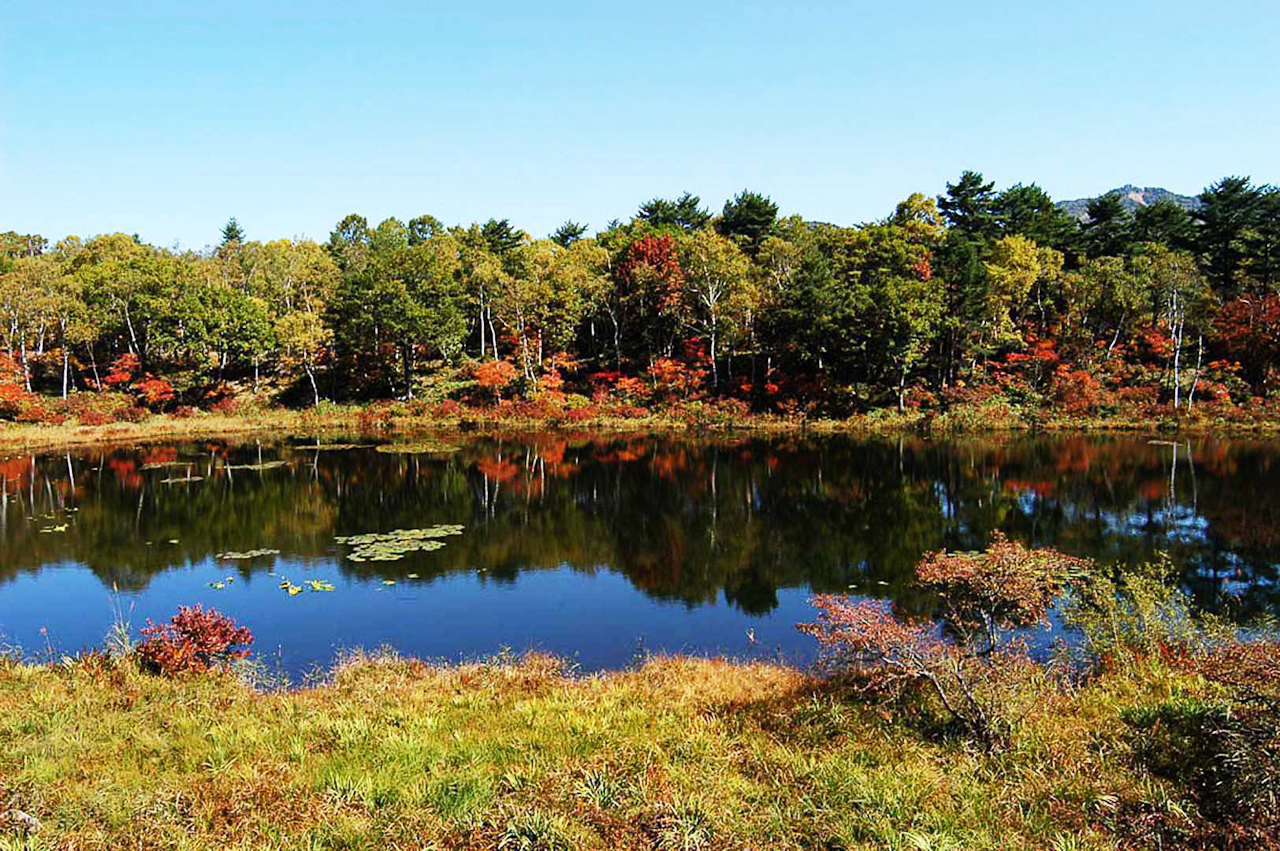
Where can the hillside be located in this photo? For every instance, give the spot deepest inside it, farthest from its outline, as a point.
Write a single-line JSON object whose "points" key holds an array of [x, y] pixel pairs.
{"points": [[1133, 197]]}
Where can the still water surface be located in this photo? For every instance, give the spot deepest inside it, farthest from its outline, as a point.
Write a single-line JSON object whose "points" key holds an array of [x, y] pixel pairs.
{"points": [[595, 548]]}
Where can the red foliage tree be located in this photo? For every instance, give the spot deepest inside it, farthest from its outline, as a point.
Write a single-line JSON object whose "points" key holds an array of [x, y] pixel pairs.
{"points": [[494, 376]]}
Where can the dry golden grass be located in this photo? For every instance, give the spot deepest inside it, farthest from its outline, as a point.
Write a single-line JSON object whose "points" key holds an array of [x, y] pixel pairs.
{"points": [[679, 753]]}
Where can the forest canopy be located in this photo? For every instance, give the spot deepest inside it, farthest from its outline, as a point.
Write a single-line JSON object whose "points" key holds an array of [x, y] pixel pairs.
{"points": [[971, 294]]}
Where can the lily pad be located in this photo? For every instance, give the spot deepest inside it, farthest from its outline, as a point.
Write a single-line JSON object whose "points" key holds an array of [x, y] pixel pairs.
{"points": [[265, 465], [173, 481], [319, 585], [395, 545], [426, 448], [234, 556], [331, 447]]}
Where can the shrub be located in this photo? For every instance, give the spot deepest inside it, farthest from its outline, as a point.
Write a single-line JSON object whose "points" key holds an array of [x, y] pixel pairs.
{"points": [[194, 640], [1140, 613], [448, 409], [225, 405], [1005, 586], [95, 418], [1227, 760], [40, 414], [183, 412], [132, 414], [153, 392], [975, 672]]}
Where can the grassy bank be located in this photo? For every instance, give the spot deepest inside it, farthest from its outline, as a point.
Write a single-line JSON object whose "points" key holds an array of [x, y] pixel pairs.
{"points": [[681, 753], [389, 419]]}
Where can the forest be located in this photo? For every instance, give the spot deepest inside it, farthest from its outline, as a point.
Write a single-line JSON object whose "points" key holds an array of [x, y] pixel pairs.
{"points": [[976, 297]]}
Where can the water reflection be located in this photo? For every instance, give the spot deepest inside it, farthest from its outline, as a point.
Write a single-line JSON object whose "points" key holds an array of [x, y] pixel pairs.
{"points": [[690, 521]]}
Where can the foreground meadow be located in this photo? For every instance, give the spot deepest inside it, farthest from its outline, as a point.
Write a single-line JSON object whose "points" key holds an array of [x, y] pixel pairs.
{"points": [[679, 753]]}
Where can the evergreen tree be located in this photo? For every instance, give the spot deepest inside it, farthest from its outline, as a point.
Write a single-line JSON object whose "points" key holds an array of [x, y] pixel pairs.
{"points": [[969, 205], [232, 233], [684, 213], [568, 233], [747, 219]]}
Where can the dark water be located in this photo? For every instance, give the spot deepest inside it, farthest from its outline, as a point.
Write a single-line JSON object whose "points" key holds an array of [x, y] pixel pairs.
{"points": [[597, 547]]}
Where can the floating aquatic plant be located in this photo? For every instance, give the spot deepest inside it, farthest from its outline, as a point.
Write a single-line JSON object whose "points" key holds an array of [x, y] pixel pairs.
{"points": [[286, 585], [160, 465], [426, 448], [172, 481], [395, 545], [265, 465], [48, 529], [233, 556], [331, 447], [319, 585]]}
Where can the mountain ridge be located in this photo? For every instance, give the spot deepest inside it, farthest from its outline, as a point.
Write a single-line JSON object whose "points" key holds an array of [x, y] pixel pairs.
{"points": [[1132, 197]]}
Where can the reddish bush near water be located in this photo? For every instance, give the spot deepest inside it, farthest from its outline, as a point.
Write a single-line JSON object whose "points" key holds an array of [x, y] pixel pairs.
{"points": [[94, 418], [975, 671], [194, 640], [132, 414]]}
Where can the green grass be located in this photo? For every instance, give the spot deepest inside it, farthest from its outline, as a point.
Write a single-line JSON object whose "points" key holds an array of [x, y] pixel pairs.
{"points": [[679, 754]]}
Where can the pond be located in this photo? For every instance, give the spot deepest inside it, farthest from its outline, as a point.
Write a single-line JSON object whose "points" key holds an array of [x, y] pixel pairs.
{"points": [[596, 548]]}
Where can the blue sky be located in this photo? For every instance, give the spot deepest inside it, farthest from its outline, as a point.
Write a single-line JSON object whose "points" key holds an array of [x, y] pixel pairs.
{"points": [[164, 120]]}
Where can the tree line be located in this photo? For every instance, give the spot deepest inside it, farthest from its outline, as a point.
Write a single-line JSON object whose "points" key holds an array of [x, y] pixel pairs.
{"points": [[972, 292]]}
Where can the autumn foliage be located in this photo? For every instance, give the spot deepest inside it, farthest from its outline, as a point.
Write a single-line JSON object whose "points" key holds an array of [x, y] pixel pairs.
{"points": [[194, 640], [968, 663]]}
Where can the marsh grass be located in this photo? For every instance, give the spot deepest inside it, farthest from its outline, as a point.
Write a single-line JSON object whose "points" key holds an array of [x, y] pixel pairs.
{"points": [[522, 752]]}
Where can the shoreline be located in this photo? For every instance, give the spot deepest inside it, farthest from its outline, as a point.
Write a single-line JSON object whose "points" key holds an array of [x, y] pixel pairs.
{"points": [[353, 419]]}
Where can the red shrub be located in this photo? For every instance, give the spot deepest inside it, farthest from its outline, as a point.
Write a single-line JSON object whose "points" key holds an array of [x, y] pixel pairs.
{"points": [[194, 640], [153, 392], [183, 412], [132, 414], [976, 675], [225, 405], [40, 414], [94, 418], [123, 369], [448, 409]]}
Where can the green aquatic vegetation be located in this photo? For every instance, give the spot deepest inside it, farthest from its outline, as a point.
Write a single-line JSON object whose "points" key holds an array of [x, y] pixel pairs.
{"points": [[161, 465], [247, 554], [265, 465], [220, 584], [49, 529], [331, 447], [423, 448], [319, 585], [286, 585], [395, 545], [388, 582], [173, 481]]}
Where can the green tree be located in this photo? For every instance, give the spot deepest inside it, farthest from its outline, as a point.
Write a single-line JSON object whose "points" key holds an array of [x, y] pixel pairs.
{"points": [[232, 233], [1228, 214], [969, 205], [717, 282], [1108, 231], [685, 213], [747, 219], [1164, 222], [1029, 211], [568, 233]]}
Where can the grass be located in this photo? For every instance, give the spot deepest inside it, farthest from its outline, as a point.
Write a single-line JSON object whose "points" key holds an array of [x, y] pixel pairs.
{"points": [[680, 753], [346, 419]]}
